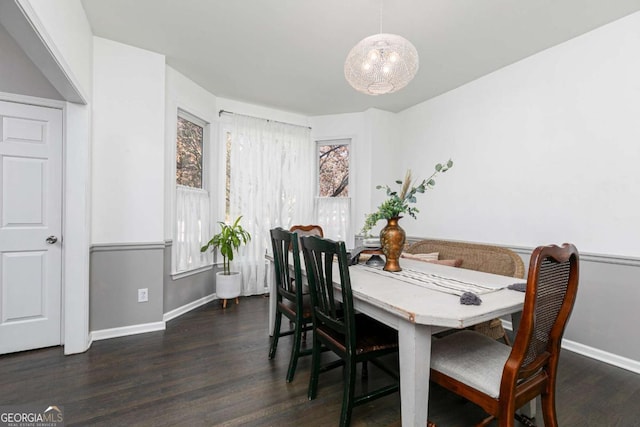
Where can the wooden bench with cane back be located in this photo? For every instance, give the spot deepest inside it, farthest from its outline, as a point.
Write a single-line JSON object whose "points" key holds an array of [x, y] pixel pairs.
{"points": [[479, 257]]}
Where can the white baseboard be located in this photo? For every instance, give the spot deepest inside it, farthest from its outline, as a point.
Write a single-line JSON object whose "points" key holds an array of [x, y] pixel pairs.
{"points": [[124, 331], [188, 307], [594, 353], [603, 356]]}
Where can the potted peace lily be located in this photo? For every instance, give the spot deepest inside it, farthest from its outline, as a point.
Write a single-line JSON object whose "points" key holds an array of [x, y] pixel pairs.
{"points": [[392, 236], [228, 240]]}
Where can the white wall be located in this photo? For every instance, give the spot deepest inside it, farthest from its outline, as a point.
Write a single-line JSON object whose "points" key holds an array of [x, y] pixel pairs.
{"points": [[67, 27], [546, 150], [386, 165], [128, 144]]}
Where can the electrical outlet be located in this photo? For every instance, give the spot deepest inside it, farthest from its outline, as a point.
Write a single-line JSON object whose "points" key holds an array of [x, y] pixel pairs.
{"points": [[143, 295]]}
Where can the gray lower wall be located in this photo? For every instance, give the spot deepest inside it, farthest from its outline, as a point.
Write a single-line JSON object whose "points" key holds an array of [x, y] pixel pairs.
{"points": [[604, 317], [180, 292], [117, 272]]}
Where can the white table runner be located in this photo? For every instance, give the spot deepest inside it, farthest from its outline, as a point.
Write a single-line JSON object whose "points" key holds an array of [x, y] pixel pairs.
{"points": [[435, 281]]}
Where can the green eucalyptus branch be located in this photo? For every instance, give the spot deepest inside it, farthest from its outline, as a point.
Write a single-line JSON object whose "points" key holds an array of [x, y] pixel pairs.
{"points": [[398, 204]]}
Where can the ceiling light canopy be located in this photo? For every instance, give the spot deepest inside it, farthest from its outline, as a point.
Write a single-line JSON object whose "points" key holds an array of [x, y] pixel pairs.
{"points": [[379, 64]]}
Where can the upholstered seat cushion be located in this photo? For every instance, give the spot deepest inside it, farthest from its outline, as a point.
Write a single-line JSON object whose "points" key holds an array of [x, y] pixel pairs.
{"points": [[432, 256], [472, 358], [290, 308], [371, 335]]}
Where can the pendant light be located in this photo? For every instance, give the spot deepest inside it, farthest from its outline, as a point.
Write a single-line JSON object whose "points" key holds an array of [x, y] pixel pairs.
{"points": [[382, 63]]}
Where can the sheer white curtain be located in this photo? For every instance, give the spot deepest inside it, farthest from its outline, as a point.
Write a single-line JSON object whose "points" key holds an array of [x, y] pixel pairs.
{"points": [[192, 219], [334, 213], [272, 184]]}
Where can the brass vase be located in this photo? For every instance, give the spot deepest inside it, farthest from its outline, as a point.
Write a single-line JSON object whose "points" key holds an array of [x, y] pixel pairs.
{"points": [[392, 238]]}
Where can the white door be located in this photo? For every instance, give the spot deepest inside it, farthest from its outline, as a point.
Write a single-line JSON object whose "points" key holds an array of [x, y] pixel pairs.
{"points": [[30, 226]]}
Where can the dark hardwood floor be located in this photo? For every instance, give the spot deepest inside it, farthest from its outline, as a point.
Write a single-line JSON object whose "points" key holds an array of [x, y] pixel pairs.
{"points": [[210, 367]]}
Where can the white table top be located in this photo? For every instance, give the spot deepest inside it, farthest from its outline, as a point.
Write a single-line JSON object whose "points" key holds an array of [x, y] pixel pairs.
{"points": [[431, 307]]}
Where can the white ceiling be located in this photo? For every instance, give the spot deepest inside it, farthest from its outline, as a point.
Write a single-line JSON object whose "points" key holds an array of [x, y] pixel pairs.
{"points": [[289, 54]]}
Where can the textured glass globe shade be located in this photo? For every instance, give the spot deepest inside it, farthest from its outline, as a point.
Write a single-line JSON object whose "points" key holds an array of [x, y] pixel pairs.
{"points": [[379, 64]]}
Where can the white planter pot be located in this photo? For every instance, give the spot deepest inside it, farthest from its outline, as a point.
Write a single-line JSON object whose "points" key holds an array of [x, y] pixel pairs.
{"points": [[228, 285]]}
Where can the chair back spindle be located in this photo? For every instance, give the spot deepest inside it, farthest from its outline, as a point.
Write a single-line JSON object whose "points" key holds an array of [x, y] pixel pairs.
{"points": [[282, 241]]}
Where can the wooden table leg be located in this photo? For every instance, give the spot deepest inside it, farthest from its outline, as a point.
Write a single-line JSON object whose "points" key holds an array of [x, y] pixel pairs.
{"points": [[415, 357]]}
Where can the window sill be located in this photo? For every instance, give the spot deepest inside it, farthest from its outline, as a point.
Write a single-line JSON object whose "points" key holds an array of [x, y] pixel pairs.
{"points": [[183, 274]]}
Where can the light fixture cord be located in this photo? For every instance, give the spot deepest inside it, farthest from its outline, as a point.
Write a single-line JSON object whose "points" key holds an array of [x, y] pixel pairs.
{"points": [[380, 16]]}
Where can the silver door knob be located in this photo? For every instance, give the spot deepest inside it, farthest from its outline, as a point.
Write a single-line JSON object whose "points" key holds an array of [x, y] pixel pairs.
{"points": [[51, 240]]}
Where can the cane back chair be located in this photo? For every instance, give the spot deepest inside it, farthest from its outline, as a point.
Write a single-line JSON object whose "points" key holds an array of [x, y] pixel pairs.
{"points": [[501, 379]]}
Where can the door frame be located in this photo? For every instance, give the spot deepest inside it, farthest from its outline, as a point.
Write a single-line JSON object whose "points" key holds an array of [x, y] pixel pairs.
{"points": [[76, 220], [23, 23]]}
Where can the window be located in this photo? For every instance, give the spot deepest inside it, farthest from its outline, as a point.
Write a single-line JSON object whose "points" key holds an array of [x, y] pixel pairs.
{"points": [[192, 197], [189, 153], [333, 204], [333, 169]]}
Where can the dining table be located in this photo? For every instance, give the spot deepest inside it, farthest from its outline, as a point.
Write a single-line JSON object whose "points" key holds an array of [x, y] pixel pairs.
{"points": [[421, 300]]}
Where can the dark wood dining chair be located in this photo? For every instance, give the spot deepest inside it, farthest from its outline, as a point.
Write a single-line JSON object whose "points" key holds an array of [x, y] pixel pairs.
{"points": [[355, 338], [290, 300], [501, 379]]}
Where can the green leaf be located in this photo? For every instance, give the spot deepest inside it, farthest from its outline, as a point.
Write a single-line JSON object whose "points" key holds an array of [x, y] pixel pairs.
{"points": [[395, 206], [227, 241]]}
